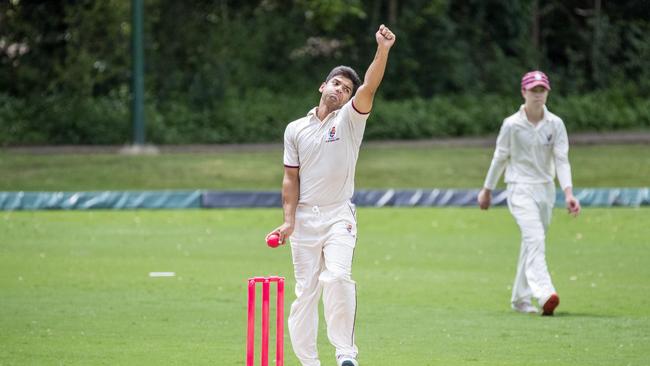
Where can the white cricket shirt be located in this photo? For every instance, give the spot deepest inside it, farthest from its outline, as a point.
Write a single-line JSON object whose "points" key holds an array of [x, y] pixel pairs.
{"points": [[326, 153], [531, 153]]}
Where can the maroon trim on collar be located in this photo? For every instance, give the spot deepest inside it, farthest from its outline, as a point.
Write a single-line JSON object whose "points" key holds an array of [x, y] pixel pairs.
{"points": [[291, 166], [358, 111]]}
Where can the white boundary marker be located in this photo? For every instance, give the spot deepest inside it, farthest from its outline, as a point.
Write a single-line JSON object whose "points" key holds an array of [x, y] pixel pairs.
{"points": [[162, 274]]}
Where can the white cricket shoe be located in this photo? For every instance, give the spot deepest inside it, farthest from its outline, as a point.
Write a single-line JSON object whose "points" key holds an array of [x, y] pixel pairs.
{"points": [[524, 307], [346, 361]]}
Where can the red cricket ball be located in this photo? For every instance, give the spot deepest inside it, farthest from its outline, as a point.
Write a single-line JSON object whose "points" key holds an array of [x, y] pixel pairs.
{"points": [[273, 240]]}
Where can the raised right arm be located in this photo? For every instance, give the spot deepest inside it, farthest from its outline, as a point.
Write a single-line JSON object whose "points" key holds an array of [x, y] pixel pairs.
{"points": [[366, 93]]}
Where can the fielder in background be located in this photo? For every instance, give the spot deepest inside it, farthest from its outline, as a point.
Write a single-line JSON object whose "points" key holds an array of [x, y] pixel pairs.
{"points": [[532, 145], [320, 156]]}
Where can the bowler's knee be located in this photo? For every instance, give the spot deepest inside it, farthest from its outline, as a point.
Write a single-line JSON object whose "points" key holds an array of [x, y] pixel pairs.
{"points": [[533, 237], [336, 276]]}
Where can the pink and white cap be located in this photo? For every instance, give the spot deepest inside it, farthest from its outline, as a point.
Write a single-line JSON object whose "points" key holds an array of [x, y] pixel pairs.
{"points": [[533, 79]]}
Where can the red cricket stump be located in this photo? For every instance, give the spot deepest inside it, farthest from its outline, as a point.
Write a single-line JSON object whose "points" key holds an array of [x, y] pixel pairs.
{"points": [[279, 327]]}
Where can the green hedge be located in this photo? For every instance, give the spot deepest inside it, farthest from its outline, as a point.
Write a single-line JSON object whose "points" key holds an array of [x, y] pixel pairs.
{"points": [[260, 116], [60, 120]]}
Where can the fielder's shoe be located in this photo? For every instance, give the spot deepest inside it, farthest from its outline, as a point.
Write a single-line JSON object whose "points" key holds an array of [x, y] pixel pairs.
{"points": [[347, 361], [524, 307], [550, 305]]}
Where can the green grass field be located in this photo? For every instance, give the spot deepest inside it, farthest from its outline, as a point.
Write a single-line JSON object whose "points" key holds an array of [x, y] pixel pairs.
{"points": [[378, 167], [433, 284], [433, 287]]}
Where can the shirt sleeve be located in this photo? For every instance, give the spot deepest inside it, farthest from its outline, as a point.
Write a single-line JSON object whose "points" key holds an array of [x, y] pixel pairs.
{"points": [[500, 158], [291, 158], [561, 156], [357, 120]]}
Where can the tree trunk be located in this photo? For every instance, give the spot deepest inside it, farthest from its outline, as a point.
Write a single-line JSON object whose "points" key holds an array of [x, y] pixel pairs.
{"points": [[392, 13], [534, 32], [595, 46]]}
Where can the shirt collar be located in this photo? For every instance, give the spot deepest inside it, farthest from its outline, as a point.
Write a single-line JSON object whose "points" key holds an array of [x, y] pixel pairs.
{"points": [[524, 118], [312, 114]]}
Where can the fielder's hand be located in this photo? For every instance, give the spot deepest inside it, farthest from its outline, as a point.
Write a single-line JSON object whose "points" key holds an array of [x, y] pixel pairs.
{"points": [[573, 206], [484, 198]]}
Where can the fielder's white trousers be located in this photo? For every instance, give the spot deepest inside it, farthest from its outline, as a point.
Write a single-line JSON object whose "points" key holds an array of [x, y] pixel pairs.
{"points": [[322, 246], [532, 207]]}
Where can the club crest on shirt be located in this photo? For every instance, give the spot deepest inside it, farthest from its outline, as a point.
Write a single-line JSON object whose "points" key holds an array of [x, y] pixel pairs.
{"points": [[350, 230], [331, 135]]}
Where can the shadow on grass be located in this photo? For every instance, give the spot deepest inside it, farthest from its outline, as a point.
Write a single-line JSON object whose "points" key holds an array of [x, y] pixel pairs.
{"points": [[565, 314], [558, 314]]}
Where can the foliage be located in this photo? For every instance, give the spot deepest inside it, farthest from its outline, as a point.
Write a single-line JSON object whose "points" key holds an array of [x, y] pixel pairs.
{"points": [[67, 120], [206, 61], [261, 116]]}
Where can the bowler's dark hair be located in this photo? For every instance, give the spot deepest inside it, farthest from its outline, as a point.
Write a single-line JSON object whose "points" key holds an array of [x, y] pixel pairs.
{"points": [[349, 73]]}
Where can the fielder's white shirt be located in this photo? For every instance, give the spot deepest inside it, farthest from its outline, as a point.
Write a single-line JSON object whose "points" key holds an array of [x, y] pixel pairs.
{"points": [[326, 153], [531, 153]]}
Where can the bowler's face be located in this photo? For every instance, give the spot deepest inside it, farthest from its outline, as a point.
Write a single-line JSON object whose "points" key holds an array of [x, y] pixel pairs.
{"points": [[337, 91]]}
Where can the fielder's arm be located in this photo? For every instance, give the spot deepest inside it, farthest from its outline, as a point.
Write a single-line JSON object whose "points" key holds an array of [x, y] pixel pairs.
{"points": [[563, 169], [497, 166], [375, 73]]}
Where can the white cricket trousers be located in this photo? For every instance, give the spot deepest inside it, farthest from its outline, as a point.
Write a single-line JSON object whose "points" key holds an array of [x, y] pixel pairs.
{"points": [[322, 246], [532, 207]]}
